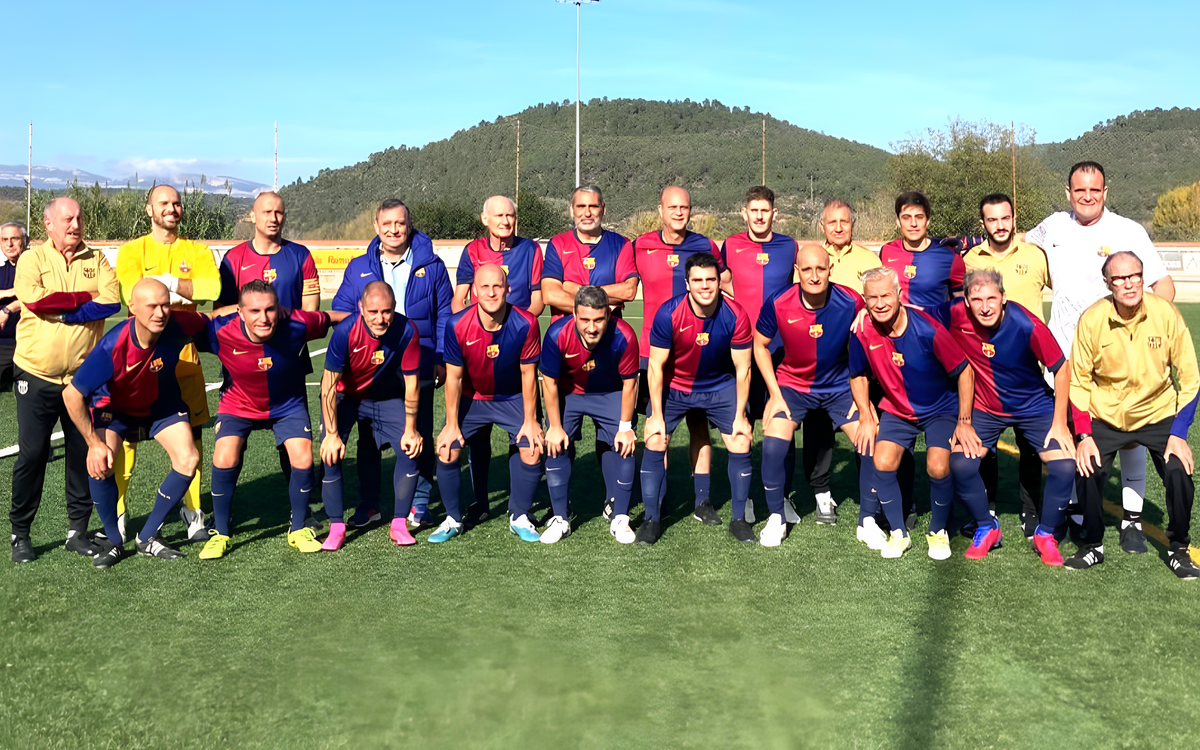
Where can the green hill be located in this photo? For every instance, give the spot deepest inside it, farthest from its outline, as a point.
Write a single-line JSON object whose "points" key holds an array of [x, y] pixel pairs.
{"points": [[1144, 154], [631, 148]]}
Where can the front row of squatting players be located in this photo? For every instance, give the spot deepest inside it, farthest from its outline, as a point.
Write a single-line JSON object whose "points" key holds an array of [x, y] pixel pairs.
{"points": [[863, 359]]}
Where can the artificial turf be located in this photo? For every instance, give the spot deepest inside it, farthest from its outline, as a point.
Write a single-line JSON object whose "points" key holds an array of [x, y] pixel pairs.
{"points": [[489, 642]]}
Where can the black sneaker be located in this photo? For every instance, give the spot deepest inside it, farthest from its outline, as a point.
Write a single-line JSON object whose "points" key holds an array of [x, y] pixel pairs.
{"points": [[23, 550], [968, 529], [1085, 558], [1180, 563], [706, 515], [608, 509], [911, 521], [742, 530], [647, 534], [80, 544], [1133, 540], [108, 556], [363, 518], [1029, 524], [156, 547]]}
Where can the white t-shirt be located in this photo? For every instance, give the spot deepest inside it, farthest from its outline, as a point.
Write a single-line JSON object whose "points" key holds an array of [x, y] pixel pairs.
{"points": [[1075, 254]]}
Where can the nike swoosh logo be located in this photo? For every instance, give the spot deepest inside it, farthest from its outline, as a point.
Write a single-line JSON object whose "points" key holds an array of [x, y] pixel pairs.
{"points": [[623, 483], [568, 356], [875, 346], [410, 476], [307, 429], [304, 490], [182, 413], [359, 349], [792, 321], [365, 275], [246, 267], [129, 367], [235, 351], [681, 330], [472, 343], [553, 468], [568, 252]]}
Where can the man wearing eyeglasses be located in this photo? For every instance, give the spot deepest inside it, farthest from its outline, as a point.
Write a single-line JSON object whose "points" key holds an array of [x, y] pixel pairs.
{"points": [[1122, 394], [1077, 242]]}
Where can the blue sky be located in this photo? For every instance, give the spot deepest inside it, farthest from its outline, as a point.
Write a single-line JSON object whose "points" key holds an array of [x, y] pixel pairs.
{"points": [[117, 87]]}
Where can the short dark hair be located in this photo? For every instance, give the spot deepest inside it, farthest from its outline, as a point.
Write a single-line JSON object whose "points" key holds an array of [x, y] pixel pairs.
{"points": [[1086, 166], [760, 193], [1120, 254], [700, 260], [256, 286], [591, 296], [376, 286], [993, 199], [913, 198], [391, 203]]}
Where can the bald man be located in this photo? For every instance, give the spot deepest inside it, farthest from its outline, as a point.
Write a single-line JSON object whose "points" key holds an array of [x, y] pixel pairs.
{"points": [[660, 257], [189, 272], [129, 382], [811, 322]]}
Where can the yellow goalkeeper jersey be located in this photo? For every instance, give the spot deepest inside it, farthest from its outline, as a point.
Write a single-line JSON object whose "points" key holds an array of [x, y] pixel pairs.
{"points": [[184, 259]]}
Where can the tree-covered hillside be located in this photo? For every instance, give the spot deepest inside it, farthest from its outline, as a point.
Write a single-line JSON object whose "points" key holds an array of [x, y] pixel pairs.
{"points": [[631, 148], [1144, 155]]}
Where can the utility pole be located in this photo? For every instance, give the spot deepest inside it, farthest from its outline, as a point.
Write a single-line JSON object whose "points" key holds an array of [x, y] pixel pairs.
{"points": [[764, 159], [29, 182], [275, 184], [517, 190], [577, 149], [1014, 166]]}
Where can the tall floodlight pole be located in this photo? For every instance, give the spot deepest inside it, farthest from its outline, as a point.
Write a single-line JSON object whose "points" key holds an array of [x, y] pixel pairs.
{"points": [[29, 181], [577, 4], [275, 186]]}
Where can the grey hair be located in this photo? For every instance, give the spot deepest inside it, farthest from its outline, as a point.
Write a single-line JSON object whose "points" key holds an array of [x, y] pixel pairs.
{"points": [[587, 189], [1121, 254], [375, 287], [882, 272], [591, 296], [24, 231], [837, 203], [983, 277]]}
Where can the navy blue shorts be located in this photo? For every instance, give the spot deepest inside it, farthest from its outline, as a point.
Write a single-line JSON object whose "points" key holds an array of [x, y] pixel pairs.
{"points": [[133, 428], [294, 425], [836, 405], [1032, 430], [385, 419], [474, 416], [603, 408], [938, 429], [719, 407]]}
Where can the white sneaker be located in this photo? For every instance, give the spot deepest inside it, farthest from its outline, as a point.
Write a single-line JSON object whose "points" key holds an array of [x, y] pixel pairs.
{"points": [[772, 533], [749, 514], [557, 529], [826, 509], [620, 530], [193, 519], [871, 535], [789, 511], [896, 546], [121, 519]]}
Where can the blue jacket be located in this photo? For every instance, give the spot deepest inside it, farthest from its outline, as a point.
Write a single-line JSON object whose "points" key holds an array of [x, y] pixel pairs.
{"points": [[426, 300]]}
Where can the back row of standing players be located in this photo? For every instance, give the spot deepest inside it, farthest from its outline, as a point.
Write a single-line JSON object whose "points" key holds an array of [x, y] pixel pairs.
{"points": [[700, 371]]}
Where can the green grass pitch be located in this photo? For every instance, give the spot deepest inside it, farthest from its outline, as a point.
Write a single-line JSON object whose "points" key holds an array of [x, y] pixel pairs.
{"points": [[487, 642]]}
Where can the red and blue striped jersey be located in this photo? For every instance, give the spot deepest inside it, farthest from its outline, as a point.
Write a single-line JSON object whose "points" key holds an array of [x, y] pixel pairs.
{"points": [[759, 269], [264, 381], [122, 376], [701, 358], [661, 269], [491, 360], [927, 278], [291, 271], [1008, 360], [522, 263], [918, 370], [609, 261], [816, 343], [580, 370], [372, 367]]}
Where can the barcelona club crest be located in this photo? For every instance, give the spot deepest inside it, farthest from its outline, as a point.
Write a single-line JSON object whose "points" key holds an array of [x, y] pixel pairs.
{"points": [[701, 339], [184, 268], [89, 273], [589, 365], [504, 267], [1154, 342], [156, 365], [589, 263], [762, 259], [419, 273], [264, 363], [898, 359], [493, 351], [910, 272], [377, 357], [269, 275], [989, 350], [1022, 269], [816, 330], [673, 260], [1104, 251]]}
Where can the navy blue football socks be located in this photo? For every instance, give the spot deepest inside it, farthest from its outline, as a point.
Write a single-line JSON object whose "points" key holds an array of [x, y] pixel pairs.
{"points": [[888, 489], [789, 468], [868, 503], [774, 469], [404, 484], [654, 476], [702, 483], [558, 482], [941, 498], [170, 492], [223, 482], [1059, 483], [741, 472], [104, 497], [331, 492], [524, 478], [449, 477], [970, 488], [618, 480], [299, 488]]}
